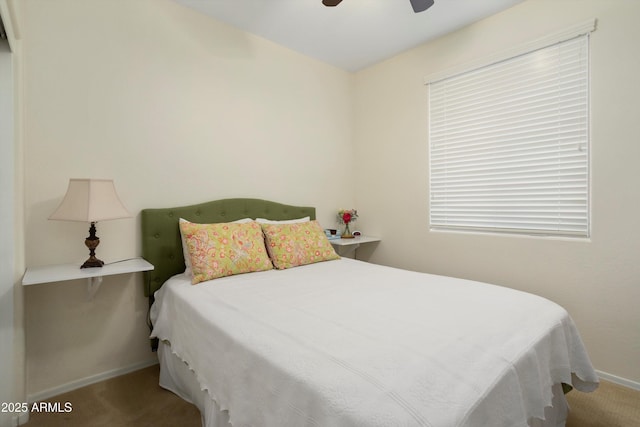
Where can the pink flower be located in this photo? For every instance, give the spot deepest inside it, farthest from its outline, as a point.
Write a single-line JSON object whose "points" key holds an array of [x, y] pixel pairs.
{"points": [[345, 216]]}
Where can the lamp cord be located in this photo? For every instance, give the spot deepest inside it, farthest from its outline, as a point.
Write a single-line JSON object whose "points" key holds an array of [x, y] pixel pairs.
{"points": [[122, 260]]}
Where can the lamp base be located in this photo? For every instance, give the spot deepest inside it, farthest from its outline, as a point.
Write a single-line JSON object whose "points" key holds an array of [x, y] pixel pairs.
{"points": [[92, 243], [92, 262]]}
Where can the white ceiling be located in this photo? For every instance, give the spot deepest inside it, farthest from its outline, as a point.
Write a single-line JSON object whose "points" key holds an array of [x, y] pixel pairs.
{"points": [[352, 35]]}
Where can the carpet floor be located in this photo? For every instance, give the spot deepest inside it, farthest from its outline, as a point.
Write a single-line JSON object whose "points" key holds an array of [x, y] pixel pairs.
{"points": [[137, 400], [134, 399], [611, 405]]}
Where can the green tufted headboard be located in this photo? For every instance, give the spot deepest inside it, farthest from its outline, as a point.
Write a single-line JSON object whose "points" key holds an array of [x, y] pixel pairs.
{"points": [[161, 244]]}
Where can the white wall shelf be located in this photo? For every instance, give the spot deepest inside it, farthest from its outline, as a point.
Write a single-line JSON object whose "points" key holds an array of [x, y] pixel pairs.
{"points": [[94, 275], [345, 247]]}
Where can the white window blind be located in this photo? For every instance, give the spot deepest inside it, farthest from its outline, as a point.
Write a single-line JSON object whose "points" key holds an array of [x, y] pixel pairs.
{"points": [[509, 144]]}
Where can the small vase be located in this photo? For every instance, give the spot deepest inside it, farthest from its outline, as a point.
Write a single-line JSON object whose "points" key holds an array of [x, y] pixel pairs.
{"points": [[347, 232]]}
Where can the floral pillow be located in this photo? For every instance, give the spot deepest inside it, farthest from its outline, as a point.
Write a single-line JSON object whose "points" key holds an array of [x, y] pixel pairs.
{"points": [[185, 251], [292, 245], [218, 250]]}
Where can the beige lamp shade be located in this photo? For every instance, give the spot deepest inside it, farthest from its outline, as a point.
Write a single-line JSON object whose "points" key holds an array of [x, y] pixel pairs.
{"points": [[90, 200]]}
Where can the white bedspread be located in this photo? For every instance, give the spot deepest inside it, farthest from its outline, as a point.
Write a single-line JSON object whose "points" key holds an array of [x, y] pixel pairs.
{"points": [[347, 343]]}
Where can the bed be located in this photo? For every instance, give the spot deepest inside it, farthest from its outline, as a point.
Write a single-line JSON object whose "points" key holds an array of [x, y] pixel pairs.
{"points": [[340, 342]]}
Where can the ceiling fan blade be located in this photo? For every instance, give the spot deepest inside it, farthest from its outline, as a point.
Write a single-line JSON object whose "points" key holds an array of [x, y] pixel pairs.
{"points": [[421, 5], [331, 2]]}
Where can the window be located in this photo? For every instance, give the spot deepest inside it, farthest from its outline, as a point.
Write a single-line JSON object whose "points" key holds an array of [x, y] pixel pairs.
{"points": [[509, 144]]}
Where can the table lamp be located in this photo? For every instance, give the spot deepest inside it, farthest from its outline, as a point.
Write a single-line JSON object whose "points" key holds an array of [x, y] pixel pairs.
{"points": [[91, 200]]}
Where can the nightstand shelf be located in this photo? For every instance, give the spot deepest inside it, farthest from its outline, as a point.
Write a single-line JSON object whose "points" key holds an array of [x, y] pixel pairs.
{"points": [[345, 247], [63, 272]]}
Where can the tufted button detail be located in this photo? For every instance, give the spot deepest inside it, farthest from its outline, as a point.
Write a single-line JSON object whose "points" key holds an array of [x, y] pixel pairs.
{"points": [[157, 235], [197, 213], [170, 214], [171, 256]]}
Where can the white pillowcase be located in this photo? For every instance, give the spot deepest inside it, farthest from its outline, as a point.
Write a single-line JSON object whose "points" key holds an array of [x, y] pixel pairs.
{"points": [[285, 221], [185, 251]]}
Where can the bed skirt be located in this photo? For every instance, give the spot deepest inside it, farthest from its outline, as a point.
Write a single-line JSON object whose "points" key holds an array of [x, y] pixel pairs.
{"points": [[177, 377]]}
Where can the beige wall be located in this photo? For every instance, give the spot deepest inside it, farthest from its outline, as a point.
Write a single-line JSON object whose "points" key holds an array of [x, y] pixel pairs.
{"points": [[177, 109], [598, 281]]}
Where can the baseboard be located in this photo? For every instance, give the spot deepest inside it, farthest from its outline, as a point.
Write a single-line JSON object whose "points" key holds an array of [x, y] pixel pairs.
{"points": [[54, 391], [18, 420], [619, 380]]}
